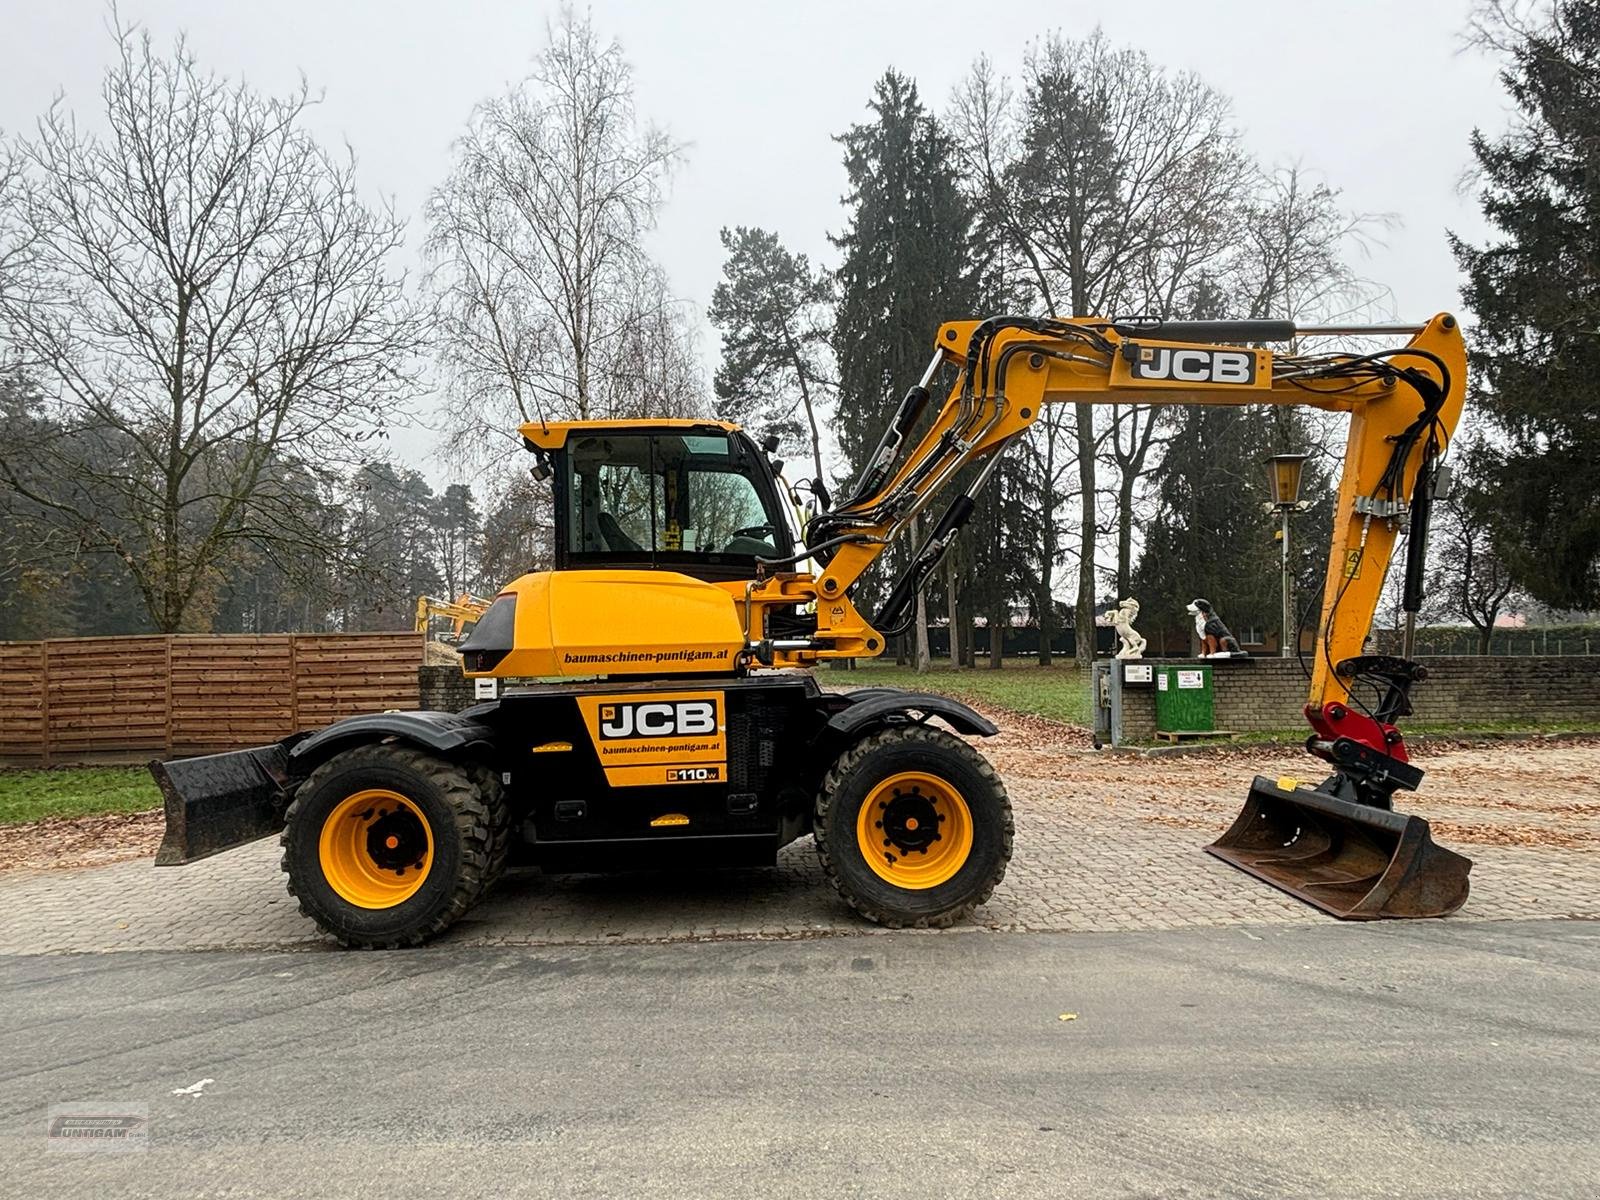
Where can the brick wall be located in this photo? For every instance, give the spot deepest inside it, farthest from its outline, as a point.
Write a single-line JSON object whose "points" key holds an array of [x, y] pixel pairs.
{"points": [[446, 689], [1264, 694]]}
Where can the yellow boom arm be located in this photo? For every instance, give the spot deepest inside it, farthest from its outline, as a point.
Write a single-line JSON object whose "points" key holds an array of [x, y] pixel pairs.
{"points": [[460, 612], [1404, 404]]}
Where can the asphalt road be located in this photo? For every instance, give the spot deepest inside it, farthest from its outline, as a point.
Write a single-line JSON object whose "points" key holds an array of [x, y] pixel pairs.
{"points": [[1428, 1059]]}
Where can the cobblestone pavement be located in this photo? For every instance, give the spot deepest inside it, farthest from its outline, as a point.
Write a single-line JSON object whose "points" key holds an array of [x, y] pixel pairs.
{"points": [[1104, 842]]}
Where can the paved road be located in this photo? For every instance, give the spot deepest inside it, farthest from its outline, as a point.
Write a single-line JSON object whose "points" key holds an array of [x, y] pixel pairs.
{"points": [[1427, 1059]]}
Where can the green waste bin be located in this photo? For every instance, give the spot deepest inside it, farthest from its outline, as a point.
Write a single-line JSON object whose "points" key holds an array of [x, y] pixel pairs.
{"points": [[1184, 700]]}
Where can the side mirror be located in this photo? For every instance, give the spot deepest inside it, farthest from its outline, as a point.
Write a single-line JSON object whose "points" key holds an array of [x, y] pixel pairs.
{"points": [[770, 443]]}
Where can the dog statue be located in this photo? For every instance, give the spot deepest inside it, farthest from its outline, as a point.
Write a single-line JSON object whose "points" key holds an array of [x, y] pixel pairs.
{"points": [[1215, 639], [1121, 619]]}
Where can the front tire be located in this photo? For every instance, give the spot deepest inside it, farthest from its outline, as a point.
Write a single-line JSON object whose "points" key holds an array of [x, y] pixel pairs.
{"points": [[913, 827], [387, 846]]}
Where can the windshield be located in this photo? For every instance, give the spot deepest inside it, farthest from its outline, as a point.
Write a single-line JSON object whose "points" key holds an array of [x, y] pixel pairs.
{"points": [[649, 495]]}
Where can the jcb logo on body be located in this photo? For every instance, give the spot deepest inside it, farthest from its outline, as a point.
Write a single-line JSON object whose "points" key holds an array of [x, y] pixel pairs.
{"points": [[1195, 366], [658, 718]]}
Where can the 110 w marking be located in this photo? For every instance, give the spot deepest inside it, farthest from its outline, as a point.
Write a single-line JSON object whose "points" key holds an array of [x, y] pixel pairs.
{"points": [[693, 774]]}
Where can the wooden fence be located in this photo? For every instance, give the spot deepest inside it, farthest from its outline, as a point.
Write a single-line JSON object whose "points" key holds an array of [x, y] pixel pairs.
{"points": [[132, 698]]}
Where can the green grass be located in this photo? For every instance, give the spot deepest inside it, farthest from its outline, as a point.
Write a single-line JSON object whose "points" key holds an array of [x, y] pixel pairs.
{"points": [[1444, 727], [1414, 731], [75, 792], [1060, 693]]}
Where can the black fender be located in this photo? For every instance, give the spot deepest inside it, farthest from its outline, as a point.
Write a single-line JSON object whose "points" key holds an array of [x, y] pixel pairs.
{"points": [[449, 734], [219, 801], [876, 705]]}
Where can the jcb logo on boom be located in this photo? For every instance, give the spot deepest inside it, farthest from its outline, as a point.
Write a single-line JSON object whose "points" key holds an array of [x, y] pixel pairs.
{"points": [[1195, 366], [678, 718]]}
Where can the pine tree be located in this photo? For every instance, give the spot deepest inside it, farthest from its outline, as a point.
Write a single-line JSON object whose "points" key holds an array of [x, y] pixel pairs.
{"points": [[391, 562], [1536, 348], [772, 309], [905, 262], [458, 539]]}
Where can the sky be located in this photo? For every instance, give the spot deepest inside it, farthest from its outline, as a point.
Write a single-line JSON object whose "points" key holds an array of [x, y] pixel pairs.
{"points": [[1378, 96]]}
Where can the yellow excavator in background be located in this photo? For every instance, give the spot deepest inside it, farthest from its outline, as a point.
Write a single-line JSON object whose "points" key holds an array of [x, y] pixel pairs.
{"points": [[676, 723], [461, 612]]}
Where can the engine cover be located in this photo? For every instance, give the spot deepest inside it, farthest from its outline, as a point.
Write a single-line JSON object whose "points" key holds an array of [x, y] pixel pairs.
{"points": [[584, 623]]}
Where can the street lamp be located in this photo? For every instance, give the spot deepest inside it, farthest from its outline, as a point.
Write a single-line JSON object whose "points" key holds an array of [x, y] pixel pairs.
{"points": [[1284, 472]]}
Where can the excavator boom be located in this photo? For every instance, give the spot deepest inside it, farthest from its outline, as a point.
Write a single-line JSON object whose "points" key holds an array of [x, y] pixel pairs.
{"points": [[1404, 404], [1336, 844]]}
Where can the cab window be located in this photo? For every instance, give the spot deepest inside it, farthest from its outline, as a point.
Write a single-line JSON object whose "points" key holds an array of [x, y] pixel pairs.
{"points": [[665, 498]]}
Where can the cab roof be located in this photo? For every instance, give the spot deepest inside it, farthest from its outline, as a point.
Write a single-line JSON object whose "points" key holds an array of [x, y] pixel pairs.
{"points": [[552, 435]]}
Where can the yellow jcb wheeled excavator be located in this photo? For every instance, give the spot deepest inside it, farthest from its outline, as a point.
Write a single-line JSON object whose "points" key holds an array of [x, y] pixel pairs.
{"points": [[676, 721]]}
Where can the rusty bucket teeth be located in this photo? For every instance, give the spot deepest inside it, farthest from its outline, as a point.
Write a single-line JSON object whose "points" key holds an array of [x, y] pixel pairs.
{"points": [[1354, 861]]}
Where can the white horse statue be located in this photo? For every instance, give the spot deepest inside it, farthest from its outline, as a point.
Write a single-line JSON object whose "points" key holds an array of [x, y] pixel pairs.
{"points": [[1121, 619]]}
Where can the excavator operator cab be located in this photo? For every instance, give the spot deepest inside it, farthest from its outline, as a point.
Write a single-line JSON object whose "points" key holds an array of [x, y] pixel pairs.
{"points": [[699, 499]]}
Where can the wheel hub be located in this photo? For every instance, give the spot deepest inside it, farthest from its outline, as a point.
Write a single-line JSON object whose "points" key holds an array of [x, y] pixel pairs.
{"points": [[914, 830], [909, 821], [396, 840]]}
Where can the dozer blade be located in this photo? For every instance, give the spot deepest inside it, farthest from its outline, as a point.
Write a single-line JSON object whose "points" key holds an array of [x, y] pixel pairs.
{"points": [[1351, 860], [220, 801]]}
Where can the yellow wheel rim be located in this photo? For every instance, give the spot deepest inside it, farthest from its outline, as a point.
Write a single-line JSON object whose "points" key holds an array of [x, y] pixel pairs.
{"points": [[914, 830], [376, 848]]}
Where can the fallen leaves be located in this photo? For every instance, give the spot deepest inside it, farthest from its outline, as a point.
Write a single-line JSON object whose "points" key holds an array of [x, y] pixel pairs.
{"points": [[59, 842]]}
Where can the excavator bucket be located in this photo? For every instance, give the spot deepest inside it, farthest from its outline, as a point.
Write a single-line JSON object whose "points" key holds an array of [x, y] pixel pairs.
{"points": [[1352, 860]]}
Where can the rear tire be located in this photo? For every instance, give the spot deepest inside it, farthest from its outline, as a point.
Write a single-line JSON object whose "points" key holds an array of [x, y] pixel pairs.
{"points": [[913, 827], [493, 796], [373, 885]]}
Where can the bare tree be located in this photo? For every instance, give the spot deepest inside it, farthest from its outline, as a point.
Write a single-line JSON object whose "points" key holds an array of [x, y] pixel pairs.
{"points": [[1502, 26], [518, 535], [206, 301], [1113, 183], [1296, 249], [15, 237], [654, 368], [1296, 255], [1466, 574], [535, 238], [986, 132]]}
